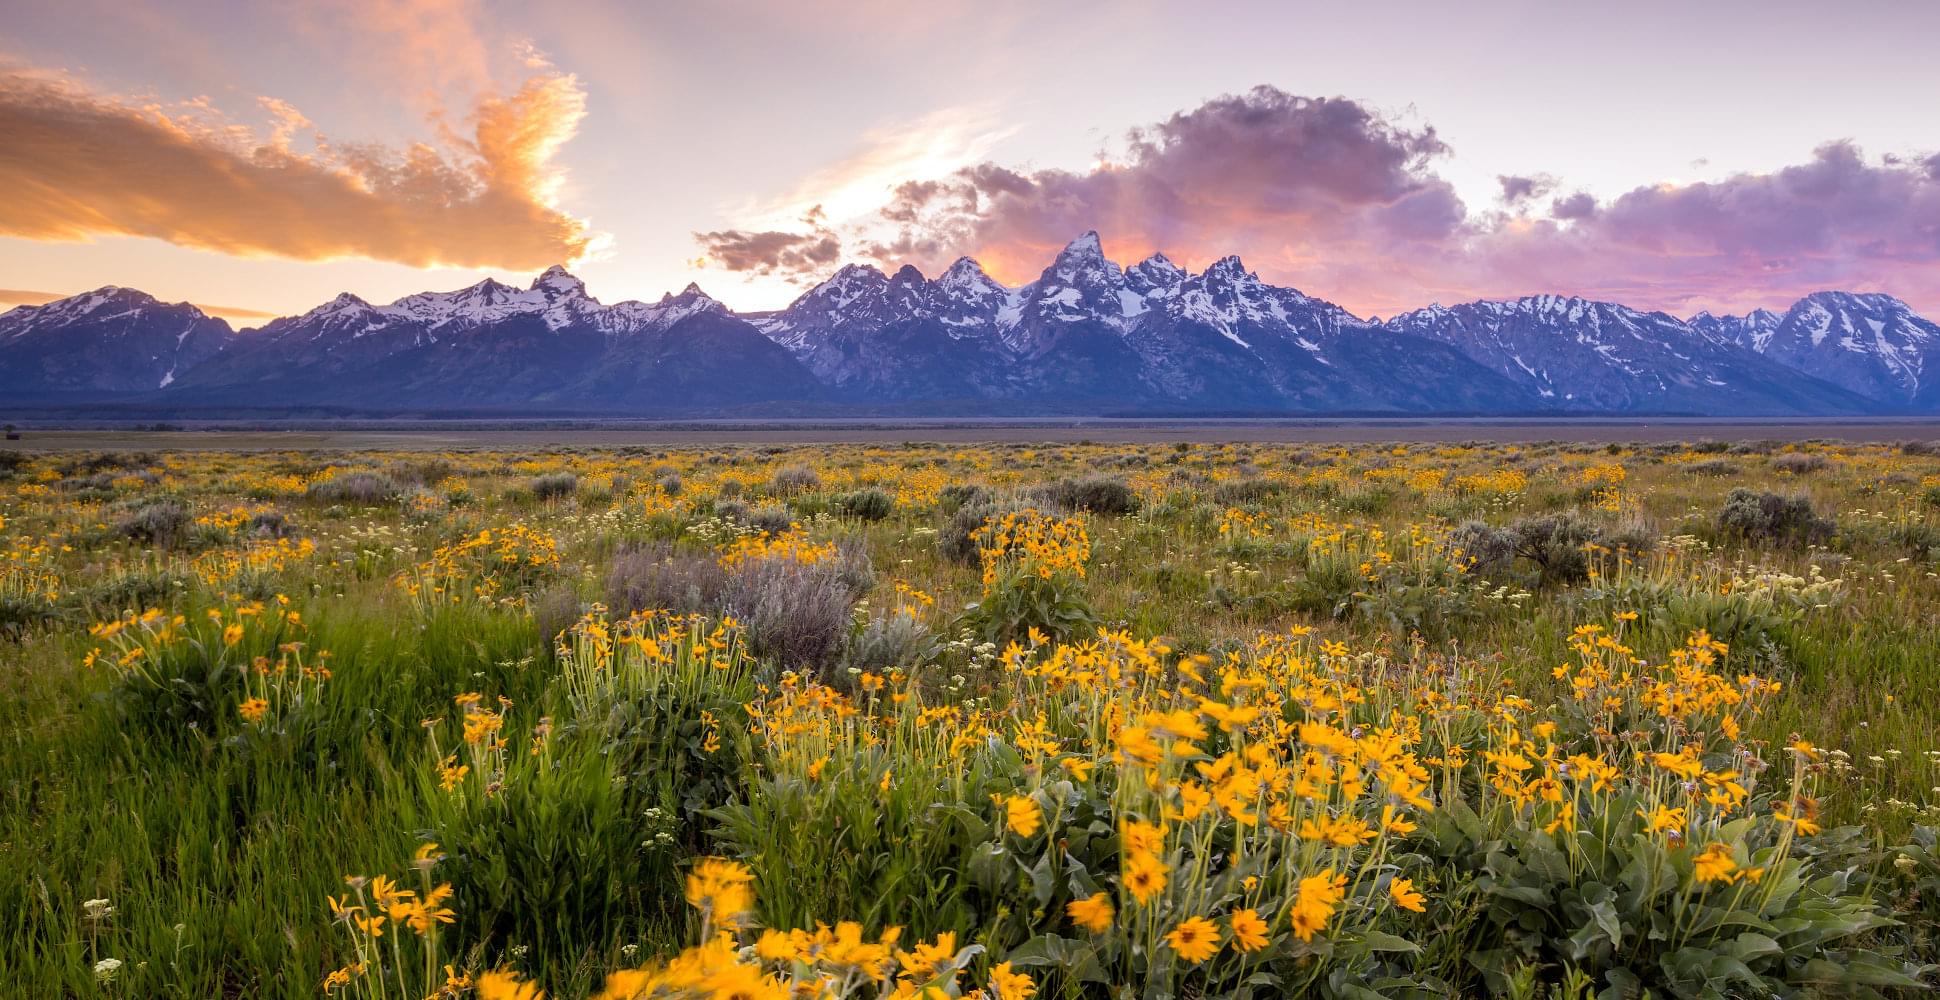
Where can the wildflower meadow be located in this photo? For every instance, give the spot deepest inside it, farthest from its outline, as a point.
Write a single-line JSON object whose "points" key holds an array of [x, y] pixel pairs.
{"points": [[1067, 721]]}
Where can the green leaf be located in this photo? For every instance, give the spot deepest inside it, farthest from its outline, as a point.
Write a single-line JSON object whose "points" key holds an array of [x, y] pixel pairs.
{"points": [[1383, 941]]}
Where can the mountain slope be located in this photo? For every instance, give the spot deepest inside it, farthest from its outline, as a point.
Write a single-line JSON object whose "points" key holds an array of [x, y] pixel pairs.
{"points": [[550, 346], [100, 344], [1225, 340], [1874, 345], [1086, 336], [1592, 357]]}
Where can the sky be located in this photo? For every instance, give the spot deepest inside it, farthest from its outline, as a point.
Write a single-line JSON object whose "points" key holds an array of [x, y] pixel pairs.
{"points": [[258, 159]]}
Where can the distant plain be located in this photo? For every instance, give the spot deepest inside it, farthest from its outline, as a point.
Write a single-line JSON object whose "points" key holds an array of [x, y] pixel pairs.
{"points": [[441, 435]]}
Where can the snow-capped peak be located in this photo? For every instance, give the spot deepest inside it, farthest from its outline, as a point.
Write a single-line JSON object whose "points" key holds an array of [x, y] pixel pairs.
{"points": [[1153, 273], [1873, 303], [344, 304], [1230, 268], [1086, 245], [556, 281], [103, 302], [691, 294], [966, 277]]}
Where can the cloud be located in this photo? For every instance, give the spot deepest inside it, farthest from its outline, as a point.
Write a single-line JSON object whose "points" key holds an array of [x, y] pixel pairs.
{"points": [[1835, 221], [1346, 202], [788, 236], [1291, 177], [772, 252], [1576, 206], [78, 164], [1516, 189]]}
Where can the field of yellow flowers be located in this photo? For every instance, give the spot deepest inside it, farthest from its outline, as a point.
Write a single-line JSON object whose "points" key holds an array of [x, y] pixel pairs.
{"points": [[1115, 721]]}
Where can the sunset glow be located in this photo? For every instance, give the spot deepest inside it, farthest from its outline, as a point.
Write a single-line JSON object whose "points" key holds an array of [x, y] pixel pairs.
{"points": [[211, 156]]}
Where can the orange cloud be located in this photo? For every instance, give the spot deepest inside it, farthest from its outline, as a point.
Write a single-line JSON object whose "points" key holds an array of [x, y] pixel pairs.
{"points": [[77, 164]]}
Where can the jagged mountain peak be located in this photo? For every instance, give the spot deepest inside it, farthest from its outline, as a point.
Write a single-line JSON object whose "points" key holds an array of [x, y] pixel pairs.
{"points": [[1707, 316], [853, 274], [963, 269], [1230, 268], [1586, 355], [1868, 342], [1154, 273], [108, 341], [1082, 263], [489, 289], [691, 295], [106, 299], [557, 281], [848, 284], [346, 303], [1085, 245]]}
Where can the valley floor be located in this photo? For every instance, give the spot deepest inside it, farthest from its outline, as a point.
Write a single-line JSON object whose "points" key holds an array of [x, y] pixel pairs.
{"points": [[381, 435]]}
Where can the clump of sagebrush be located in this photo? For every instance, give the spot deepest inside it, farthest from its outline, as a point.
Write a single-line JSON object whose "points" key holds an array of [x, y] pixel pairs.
{"points": [[771, 519], [1919, 448], [1799, 463], [105, 461], [367, 489], [1773, 518], [871, 504], [160, 523], [798, 614], [422, 470], [1718, 467], [731, 510], [554, 611], [1554, 544], [1485, 548], [10, 462], [553, 486], [794, 479], [957, 541], [892, 640], [1092, 494], [1252, 489], [1633, 538], [957, 495], [655, 577]]}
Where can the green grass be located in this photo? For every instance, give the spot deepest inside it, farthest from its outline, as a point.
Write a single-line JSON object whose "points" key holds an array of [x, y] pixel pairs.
{"points": [[216, 848]]}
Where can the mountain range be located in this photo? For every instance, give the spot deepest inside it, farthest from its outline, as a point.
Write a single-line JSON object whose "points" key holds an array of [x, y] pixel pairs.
{"points": [[1087, 337]]}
